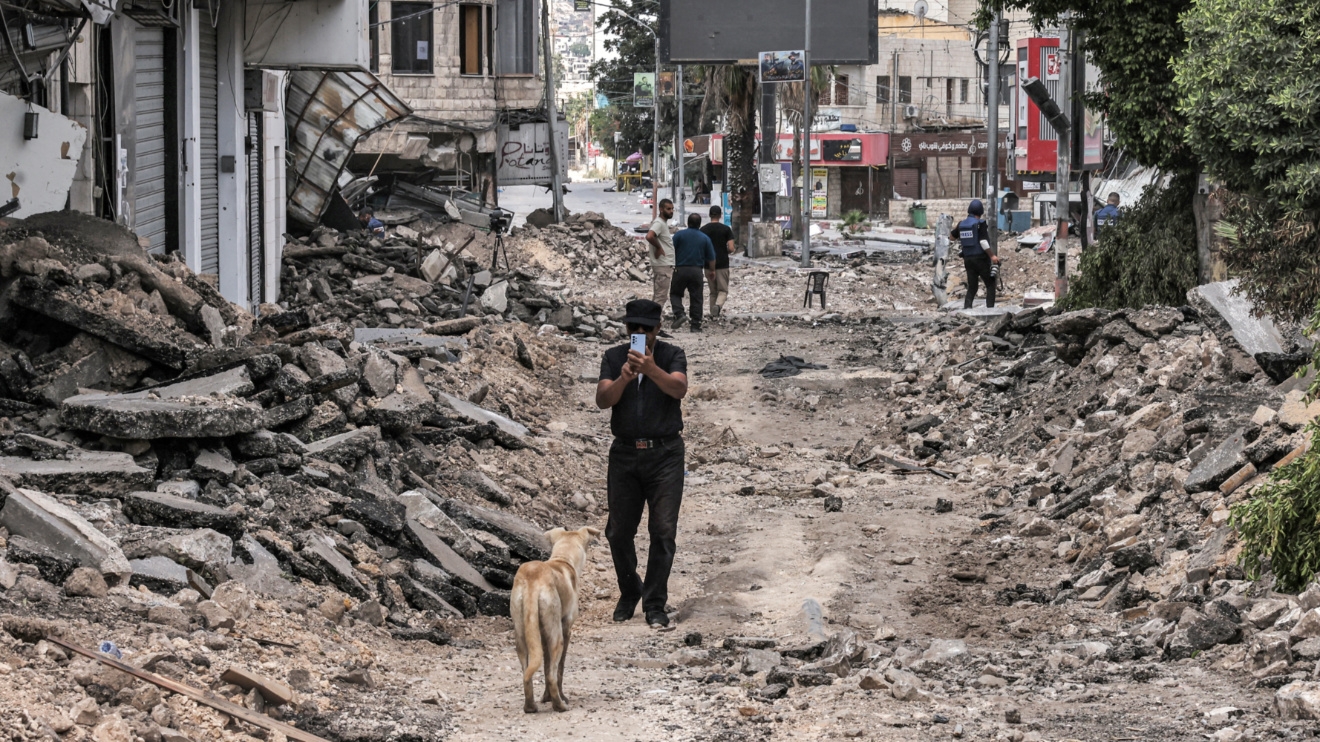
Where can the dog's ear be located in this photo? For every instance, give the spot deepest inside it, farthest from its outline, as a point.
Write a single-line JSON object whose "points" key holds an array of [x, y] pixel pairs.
{"points": [[593, 531], [554, 534]]}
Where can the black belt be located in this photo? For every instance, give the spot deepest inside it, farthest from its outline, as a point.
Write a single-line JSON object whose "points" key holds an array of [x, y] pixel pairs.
{"points": [[644, 444]]}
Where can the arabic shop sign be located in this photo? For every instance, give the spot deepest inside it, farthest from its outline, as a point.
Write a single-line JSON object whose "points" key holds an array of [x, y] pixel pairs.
{"points": [[524, 154], [944, 144]]}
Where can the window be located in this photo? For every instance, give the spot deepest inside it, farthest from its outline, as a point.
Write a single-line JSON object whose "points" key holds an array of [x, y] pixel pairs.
{"points": [[515, 35], [841, 90], [474, 40], [962, 90], [411, 35], [373, 33], [882, 90], [904, 89]]}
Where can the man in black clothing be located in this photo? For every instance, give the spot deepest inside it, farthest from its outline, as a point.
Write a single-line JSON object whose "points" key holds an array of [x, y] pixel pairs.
{"points": [[693, 253], [644, 393], [722, 238]]}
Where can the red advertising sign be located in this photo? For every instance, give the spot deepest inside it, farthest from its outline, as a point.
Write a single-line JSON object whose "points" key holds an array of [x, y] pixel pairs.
{"points": [[1052, 66]]}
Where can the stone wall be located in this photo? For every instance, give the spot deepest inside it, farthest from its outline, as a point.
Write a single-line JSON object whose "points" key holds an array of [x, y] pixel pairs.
{"points": [[899, 216]]}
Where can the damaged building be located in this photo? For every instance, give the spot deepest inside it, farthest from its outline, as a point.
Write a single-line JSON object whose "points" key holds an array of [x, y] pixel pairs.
{"points": [[195, 125]]}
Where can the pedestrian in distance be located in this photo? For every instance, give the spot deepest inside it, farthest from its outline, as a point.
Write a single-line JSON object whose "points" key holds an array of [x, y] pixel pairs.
{"points": [[662, 253], [644, 393], [722, 238], [1108, 215], [694, 256], [980, 258]]}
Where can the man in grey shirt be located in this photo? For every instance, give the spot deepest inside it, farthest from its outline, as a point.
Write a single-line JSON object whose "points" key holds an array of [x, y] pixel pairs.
{"points": [[662, 253]]}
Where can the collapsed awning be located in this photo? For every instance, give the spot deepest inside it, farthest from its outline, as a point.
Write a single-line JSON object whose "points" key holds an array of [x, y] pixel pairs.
{"points": [[328, 113]]}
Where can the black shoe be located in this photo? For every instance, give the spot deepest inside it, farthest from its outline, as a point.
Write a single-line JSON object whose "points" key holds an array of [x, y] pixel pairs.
{"points": [[657, 619], [695, 328], [678, 322], [624, 609], [664, 334]]}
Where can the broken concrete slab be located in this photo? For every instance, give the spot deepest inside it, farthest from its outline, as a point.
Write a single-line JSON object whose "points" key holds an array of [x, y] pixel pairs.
{"points": [[1228, 312], [208, 407], [54, 567], [1081, 322], [203, 550], [346, 448], [449, 560], [275, 692], [1299, 699], [43, 519], [78, 472], [163, 509], [1219, 465], [460, 326], [425, 595], [1156, 321], [484, 486], [320, 550], [406, 408], [145, 335], [421, 508], [382, 517], [212, 464], [379, 376], [159, 574], [480, 415], [525, 538]]}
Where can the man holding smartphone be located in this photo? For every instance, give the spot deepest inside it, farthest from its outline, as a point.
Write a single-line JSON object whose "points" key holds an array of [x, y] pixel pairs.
{"points": [[642, 384]]}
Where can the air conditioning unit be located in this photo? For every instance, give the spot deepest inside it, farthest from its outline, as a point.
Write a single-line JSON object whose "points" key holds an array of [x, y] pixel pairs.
{"points": [[911, 112]]}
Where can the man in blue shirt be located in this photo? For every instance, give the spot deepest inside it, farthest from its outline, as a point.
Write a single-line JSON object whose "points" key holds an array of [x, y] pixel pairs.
{"points": [[1107, 216], [370, 223], [693, 252]]}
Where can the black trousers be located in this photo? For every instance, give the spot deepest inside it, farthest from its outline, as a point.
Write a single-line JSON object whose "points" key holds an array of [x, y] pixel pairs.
{"points": [[651, 479], [692, 280], [978, 266]]}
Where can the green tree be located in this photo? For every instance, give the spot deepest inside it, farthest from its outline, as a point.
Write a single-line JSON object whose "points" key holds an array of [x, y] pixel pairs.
{"points": [[580, 49], [1249, 93]]}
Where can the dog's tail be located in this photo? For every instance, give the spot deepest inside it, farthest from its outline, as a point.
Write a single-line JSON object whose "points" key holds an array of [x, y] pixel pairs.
{"points": [[527, 613]]}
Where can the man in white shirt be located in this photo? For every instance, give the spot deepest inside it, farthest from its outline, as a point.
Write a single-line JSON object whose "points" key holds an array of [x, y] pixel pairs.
{"points": [[662, 253]]}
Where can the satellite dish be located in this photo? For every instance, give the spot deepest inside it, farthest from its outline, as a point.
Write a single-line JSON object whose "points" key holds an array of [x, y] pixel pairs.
{"points": [[920, 9]]}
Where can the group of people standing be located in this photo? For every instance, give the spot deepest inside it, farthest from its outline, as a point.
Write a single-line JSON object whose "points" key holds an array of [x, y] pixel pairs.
{"points": [[686, 261]]}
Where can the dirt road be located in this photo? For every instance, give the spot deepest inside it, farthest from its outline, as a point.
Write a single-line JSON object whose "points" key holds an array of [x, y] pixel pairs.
{"points": [[880, 567]]}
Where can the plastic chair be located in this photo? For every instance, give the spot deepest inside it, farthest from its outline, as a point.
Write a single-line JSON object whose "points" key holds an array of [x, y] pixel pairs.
{"points": [[816, 281]]}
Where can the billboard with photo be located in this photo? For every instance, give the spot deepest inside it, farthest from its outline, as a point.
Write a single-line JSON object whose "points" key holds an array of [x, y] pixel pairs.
{"points": [[730, 31], [643, 89], [782, 66]]}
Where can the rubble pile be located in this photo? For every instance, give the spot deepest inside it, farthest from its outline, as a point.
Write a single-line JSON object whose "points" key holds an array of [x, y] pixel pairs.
{"points": [[195, 477], [586, 246]]}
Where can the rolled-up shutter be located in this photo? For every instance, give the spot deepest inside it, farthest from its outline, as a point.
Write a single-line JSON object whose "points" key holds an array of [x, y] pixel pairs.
{"points": [[256, 222], [149, 134], [209, 145]]}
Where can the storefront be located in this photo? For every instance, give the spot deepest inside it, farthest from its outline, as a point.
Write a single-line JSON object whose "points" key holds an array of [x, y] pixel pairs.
{"points": [[941, 165]]}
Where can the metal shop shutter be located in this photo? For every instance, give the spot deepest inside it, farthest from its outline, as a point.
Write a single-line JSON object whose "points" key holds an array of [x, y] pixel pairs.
{"points": [[256, 220], [149, 122], [209, 144]]}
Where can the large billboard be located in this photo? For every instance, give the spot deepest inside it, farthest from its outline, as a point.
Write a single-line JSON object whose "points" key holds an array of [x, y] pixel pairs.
{"points": [[729, 31]]}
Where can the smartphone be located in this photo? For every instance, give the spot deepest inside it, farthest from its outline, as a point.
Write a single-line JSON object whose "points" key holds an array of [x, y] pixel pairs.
{"points": [[638, 343]]}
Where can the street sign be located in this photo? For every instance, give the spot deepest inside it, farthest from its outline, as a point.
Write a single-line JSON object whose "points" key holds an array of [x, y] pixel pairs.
{"points": [[1052, 66]]}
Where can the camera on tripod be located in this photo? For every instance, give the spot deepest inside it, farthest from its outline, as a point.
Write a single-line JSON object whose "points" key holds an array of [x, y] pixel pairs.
{"points": [[500, 221]]}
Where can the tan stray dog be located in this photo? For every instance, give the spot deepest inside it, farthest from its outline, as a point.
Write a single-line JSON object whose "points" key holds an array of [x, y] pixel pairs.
{"points": [[544, 605]]}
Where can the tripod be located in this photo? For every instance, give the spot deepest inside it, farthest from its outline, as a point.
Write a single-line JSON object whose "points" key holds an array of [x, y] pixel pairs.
{"points": [[494, 266]]}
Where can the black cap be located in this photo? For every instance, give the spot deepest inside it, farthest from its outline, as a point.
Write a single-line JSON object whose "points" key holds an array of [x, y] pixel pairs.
{"points": [[642, 312]]}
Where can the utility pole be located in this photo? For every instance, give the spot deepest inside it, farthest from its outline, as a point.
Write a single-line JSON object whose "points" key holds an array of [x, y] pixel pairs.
{"points": [[992, 130], [655, 133], [678, 148], [551, 115], [1063, 172], [806, 146]]}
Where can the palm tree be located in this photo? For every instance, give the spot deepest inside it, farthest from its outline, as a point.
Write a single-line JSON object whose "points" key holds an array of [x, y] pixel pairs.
{"points": [[734, 91], [790, 103]]}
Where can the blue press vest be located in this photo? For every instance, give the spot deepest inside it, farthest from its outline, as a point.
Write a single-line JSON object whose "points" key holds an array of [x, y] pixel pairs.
{"points": [[968, 230]]}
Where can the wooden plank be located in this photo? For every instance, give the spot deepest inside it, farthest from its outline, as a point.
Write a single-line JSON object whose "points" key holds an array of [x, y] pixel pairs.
{"points": [[198, 695]]}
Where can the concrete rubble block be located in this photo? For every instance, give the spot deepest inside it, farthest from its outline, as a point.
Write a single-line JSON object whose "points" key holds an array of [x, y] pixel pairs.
{"points": [[1227, 312], [214, 616], [1295, 413], [494, 603], [275, 692], [1124, 527], [1197, 632], [318, 360], [203, 550], [439, 585], [904, 686], [211, 464], [484, 486], [43, 519], [1081, 322], [162, 509], [379, 376], [159, 574], [1219, 464], [1264, 613], [1298, 700], [1148, 417], [406, 408], [422, 509], [439, 552], [1203, 565], [479, 415], [346, 448], [54, 567], [1156, 321], [1118, 331], [760, 660], [79, 472], [406, 284], [263, 444], [1308, 626], [148, 337], [943, 651], [458, 326], [86, 582], [320, 550], [209, 407], [525, 538], [384, 518]]}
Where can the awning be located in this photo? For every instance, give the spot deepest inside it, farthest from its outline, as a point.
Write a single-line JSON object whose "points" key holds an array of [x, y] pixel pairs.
{"points": [[328, 112]]}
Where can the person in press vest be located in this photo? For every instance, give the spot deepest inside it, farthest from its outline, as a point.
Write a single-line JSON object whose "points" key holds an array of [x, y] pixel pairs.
{"points": [[979, 256]]}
